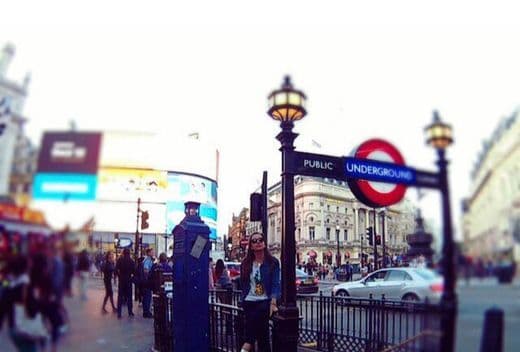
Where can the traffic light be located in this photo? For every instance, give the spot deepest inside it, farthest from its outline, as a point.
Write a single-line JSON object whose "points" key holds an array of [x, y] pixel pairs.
{"points": [[255, 212], [378, 239], [144, 220], [370, 235]]}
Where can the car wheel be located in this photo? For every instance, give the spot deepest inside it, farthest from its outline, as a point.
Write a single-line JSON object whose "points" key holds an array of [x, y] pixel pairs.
{"points": [[342, 296], [411, 297]]}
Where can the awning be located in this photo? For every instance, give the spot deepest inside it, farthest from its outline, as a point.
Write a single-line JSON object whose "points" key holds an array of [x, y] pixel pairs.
{"points": [[312, 253]]}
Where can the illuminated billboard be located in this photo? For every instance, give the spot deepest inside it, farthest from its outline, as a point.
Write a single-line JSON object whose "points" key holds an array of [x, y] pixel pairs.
{"points": [[64, 187], [69, 152], [117, 184], [183, 188]]}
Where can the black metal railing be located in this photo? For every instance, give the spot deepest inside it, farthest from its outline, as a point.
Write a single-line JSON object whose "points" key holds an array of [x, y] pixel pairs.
{"points": [[352, 324], [226, 324], [327, 323], [163, 322]]}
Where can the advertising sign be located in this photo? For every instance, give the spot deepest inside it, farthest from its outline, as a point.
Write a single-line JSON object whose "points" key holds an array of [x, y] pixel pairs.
{"points": [[117, 184], [183, 188], [64, 187], [378, 194], [69, 152]]}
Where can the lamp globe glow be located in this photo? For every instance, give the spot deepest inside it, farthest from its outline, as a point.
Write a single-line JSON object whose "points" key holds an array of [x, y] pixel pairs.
{"points": [[439, 134], [286, 104]]}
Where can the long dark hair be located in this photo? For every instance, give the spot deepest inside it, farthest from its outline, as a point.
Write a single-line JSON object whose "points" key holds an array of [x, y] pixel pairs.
{"points": [[247, 264], [219, 268]]}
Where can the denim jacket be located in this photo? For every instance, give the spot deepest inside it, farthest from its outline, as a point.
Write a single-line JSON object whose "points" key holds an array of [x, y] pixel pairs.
{"points": [[270, 277]]}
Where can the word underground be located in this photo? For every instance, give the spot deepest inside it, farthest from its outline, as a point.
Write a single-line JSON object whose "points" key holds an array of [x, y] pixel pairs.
{"points": [[382, 171]]}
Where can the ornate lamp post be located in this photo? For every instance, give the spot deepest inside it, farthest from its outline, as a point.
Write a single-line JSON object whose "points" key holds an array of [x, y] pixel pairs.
{"points": [[439, 136], [287, 105]]}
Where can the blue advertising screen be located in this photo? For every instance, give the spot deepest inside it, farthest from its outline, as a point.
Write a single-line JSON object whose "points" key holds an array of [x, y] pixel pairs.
{"points": [[183, 188], [64, 187]]}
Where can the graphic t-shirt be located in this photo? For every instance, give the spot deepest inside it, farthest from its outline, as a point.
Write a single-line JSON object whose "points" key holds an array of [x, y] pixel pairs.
{"points": [[257, 289]]}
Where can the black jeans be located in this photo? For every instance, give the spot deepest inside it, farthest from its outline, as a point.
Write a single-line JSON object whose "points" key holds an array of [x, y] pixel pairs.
{"points": [[124, 293], [257, 324]]}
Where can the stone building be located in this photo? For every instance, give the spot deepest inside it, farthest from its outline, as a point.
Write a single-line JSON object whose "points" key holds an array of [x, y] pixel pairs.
{"points": [[491, 212], [328, 220]]}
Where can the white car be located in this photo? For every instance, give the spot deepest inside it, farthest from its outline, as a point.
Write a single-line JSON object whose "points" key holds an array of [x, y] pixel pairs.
{"points": [[412, 284]]}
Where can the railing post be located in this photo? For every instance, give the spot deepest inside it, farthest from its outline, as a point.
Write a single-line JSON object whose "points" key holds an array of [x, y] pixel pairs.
{"points": [[320, 331], [493, 331]]}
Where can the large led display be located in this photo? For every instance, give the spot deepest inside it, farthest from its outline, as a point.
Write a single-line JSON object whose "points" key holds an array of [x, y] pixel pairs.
{"points": [[69, 152], [64, 187], [116, 184], [183, 188]]}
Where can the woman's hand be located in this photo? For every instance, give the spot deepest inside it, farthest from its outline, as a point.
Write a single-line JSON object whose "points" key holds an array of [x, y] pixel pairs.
{"points": [[273, 309]]}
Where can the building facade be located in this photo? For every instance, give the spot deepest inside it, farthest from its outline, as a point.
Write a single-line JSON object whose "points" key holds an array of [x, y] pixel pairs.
{"points": [[491, 212], [329, 219], [18, 155]]}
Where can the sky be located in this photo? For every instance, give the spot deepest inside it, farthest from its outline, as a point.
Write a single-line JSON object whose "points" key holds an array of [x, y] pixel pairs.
{"points": [[369, 69]]}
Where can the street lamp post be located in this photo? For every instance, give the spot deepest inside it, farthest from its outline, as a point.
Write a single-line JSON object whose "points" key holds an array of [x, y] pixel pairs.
{"points": [[338, 254], [287, 105], [383, 239], [439, 136]]}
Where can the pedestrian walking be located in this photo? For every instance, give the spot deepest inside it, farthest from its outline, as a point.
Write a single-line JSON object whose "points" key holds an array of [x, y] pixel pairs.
{"points": [[83, 273], [68, 262], [125, 270], [145, 284], [260, 279], [108, 268]]}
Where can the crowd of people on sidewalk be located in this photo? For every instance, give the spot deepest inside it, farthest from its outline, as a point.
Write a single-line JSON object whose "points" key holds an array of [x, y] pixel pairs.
{"points": [[31, 297]]}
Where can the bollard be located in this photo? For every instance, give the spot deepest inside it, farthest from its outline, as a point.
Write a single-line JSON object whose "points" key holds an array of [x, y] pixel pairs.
{"points": [[493, 331]]}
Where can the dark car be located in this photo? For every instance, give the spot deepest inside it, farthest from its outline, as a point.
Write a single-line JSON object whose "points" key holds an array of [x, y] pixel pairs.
{"points": [[305, 283]]}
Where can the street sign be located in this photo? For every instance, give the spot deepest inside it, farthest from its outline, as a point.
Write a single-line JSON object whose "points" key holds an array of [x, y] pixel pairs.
{"points": [[124, 242], [317, 165], [378, 160], [376, 173]]}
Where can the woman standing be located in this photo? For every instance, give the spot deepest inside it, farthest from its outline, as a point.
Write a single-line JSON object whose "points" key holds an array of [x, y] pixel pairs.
{"points": [[108, 272], [260, 280]]}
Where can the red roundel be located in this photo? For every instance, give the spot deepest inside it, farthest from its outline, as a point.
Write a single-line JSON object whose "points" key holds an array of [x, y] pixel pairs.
{"points": [[378, 194]]}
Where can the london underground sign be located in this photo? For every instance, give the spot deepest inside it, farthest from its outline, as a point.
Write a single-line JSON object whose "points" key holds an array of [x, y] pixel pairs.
{"points": [[376, 173], [393, 175]]}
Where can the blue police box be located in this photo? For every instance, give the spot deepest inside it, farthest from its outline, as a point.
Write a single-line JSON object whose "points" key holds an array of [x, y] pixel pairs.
{"points": [[190, 282]]}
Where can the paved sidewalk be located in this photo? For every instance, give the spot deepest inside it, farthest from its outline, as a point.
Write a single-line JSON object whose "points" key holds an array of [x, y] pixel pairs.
{"points": [[92, 331]]}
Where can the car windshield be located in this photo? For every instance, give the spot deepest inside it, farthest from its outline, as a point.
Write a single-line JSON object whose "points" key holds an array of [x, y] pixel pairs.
{"points": [[301, 273], [426, 274]]}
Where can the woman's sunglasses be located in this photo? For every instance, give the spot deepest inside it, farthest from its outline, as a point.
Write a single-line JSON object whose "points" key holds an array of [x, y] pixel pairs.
{"points": [[257, 240]]}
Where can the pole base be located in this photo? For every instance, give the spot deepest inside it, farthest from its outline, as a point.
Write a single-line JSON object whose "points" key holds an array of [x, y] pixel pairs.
{"points": [[285, 330]]}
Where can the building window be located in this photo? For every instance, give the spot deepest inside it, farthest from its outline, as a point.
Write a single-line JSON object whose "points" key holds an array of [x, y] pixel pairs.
{"points": [[311, 233], [311, 219], [299, 234], [311, 205], [345, 235], [337, 209], [346, 210], [328, 207], [328, 233], [321, 204], [328, 220]]}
